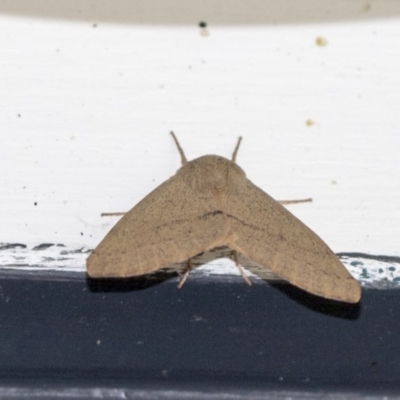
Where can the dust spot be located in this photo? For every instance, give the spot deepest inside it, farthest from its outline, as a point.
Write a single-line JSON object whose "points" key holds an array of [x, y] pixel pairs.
{"points": [[310, 122], [203, 29], [321, 41]]}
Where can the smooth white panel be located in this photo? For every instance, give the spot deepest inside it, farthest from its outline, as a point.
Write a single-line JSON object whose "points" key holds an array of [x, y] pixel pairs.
{"points": [[88, 96]]}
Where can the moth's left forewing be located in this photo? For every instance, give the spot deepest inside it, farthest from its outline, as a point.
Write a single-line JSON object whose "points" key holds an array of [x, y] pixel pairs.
{"points": [[274, 238]]}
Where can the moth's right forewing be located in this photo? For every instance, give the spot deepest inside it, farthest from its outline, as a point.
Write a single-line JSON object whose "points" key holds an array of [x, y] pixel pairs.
{"points": [[170, 225]]}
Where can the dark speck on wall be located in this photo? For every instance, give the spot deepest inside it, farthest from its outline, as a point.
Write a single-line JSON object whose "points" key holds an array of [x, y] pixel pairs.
{"points": [[35, 203], [203, 29]]}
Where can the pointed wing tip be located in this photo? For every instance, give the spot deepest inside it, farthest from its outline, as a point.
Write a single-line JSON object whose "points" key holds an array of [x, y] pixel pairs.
{"points": [[355, 295], [98, 265], [351, 296], [94, 269], [355, 291]]}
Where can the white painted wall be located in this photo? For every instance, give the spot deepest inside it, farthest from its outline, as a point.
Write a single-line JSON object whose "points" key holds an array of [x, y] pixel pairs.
{"points": [[90, 90]]}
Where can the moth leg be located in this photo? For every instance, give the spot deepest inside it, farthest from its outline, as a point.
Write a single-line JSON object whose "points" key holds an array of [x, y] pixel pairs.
{"points": [[112, 214], [284, 202], [188, 268], [235, 258]]}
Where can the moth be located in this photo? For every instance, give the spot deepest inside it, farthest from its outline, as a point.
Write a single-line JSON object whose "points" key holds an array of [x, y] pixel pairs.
{"points": [[208, 203]]}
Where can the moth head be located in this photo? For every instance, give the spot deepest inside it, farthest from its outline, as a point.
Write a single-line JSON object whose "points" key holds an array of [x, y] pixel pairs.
{"points": [[212, 173]]}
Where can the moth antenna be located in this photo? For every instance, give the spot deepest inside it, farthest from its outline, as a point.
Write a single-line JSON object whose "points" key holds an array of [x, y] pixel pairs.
{"points": [[236, 150], [285, 202], [183, 157]]}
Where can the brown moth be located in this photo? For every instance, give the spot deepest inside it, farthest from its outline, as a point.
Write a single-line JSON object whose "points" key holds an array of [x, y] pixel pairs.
{"points": [[209, 203]]}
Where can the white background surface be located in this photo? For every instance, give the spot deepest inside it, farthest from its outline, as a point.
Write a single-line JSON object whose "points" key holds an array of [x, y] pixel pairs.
{"points": [[90, 89]]}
